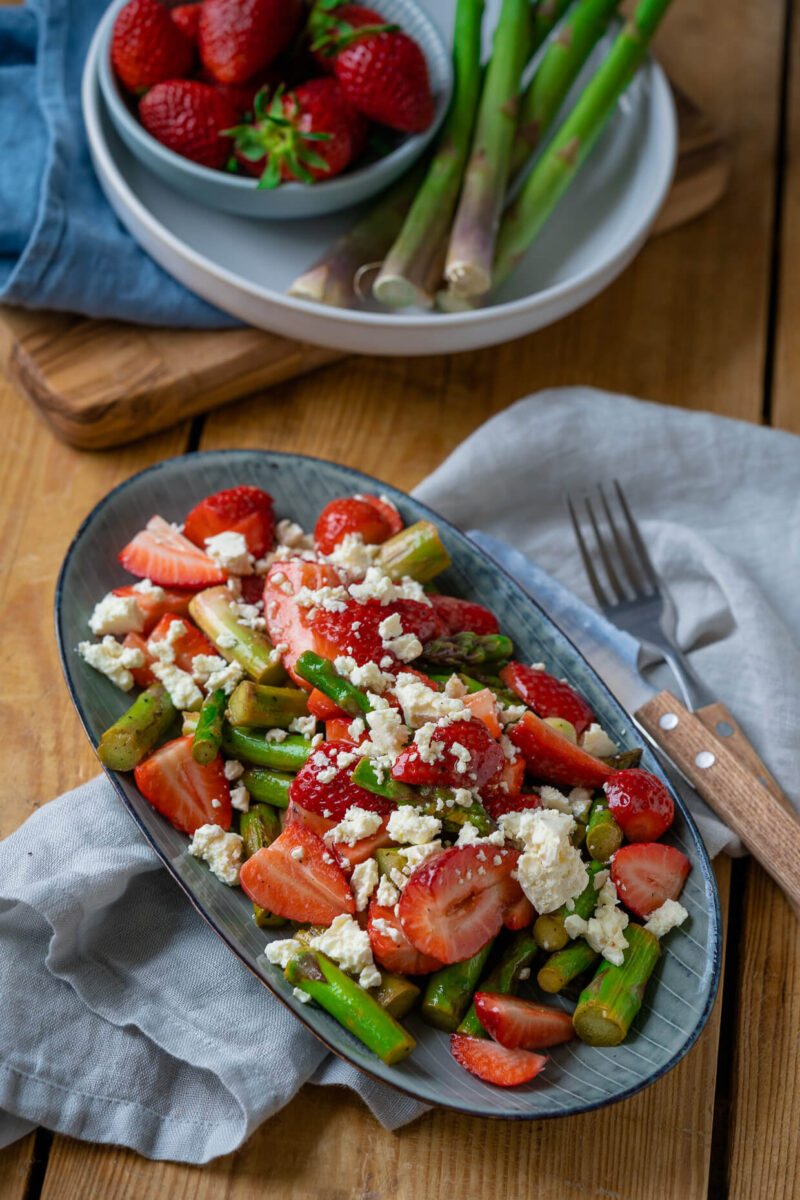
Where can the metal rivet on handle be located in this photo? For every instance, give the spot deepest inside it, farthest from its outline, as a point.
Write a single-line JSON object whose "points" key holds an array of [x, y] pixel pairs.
{"points": [[705, 759], [724, 729], [668, 720]]}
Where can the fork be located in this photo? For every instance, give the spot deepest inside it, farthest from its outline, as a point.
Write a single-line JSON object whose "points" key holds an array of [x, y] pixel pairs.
{"points": [[700, 737]]}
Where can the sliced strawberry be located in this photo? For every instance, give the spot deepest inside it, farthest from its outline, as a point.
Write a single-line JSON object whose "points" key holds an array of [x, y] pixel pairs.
{"points": [[554, 759], [348, 856], [332, 797], [337, 729], [459, 616], [298, 878], [153, 606], [520, 914], [455, 901], [166, 557], [646, 874], [493, 1063], [252, 588], [504, 785], [390, 946], [355, 631], [640, 804], [483, 706], [548, 696], [287, 622], [246, 510], [322, 707], [463, 744], [521, 1024], [297, 815], [497, 805], [187, 644], [357, 852], [386, 509], [143, 676], [186, 793], [350, 515]]}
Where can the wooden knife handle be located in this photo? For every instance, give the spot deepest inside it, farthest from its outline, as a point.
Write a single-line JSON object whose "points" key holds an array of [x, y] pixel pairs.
{"points": [[718, 719], [768, 826]]}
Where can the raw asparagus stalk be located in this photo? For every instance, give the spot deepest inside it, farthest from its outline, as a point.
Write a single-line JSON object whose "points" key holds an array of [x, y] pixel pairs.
{"points": [[434, 802], [504, 977], [252, 746], [450, 990], [416, 552], [572, 144], [208, 730], [259, 827], [469, 648], [607, 1006], [268, 787], [565, 965], [350, 1005], [603, 834], [322, 674], [544, 19], [549, 928], [468, 268], [137, 731], [269, 707], [556, 73], [404, 277], [213, 611]]}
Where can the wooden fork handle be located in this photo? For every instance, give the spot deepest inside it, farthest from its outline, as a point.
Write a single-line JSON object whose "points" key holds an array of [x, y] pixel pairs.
{"points": [[766, 824]]}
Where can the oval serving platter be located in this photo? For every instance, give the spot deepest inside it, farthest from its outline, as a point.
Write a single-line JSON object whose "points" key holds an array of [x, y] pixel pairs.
{"points": [[577, 1078]]}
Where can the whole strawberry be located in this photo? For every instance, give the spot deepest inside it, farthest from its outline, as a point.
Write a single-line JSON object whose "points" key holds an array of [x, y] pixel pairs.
{"points": [[385, 76], [331, 24], [190, 118], [238, 38], [187, 17], [148, 46]]}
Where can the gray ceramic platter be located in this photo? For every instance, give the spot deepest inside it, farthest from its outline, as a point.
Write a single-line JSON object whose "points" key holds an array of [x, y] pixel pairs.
{"points": [[577, 1078]]}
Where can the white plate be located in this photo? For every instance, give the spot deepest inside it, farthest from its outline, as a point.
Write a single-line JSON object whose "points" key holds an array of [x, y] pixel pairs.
{"points": [[244, 266]]}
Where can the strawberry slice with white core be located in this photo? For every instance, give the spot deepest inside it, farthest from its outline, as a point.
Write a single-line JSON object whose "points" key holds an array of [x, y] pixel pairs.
{"points": [[390, 946], [163, 555], [289, 623], [521, 1024], [297, 877], [493, 1063], [646, 874], [186, 793], [456, 900]]}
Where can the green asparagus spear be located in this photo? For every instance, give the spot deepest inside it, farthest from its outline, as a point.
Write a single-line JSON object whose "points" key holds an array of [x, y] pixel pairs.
{"points": [[137, 731], [544, 19], [434, 802], [624, 760], [549, 928], [267, 786], [504, 978], [443, 678], [416, 551], [603, 834], [208, 730], [351, 1005], [470, 648], [450, 990], [259, 827], [367, 775], [322, 674], [565, 965], [268, 707], [396, 994], [253, 746], [213, 610], [607, 1006]]}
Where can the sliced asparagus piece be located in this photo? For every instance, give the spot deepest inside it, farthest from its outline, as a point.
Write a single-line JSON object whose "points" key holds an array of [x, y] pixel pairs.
{"points": [[138, 730], [603, 834], [416, 552], [504, 977], [213, 610], [470, 648], [449, 991], [565, 965], [396, 994], [322, 674], [350, 1005], [208, 730], [252, 745], [549, 928], [268, 707], [259, 827], [268, 787], [607, 1006], [267, 920]]}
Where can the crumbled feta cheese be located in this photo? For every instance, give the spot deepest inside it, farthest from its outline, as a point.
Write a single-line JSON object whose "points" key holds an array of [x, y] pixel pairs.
{"points": [[668, 916], [357, 823], [282, 951], [329, 599], [229, 551], [116, 614], [597, 742], [455, 688], [552, 798], [463, 796], [347, 944], [222, 851], [182, 689], [510, 713], [304, 725], [468, 836], [538, 667], [356, 729], [327, 774], [240, 798], [351, 557], [429, 750], [463, 757], [604, 931], [204, 665], [580, 801], [387, 894], [378, 586], [370, 977], [276, 735], [405, 646], [297, 853], [289, 533], [226, 677], [388, 734], [227, 640], [550, 869], [112, 659], [408, 824], [420, 704], [363, 882], [233, 769], [414, 855], [300, 995], [368, 676], [381, 925]]}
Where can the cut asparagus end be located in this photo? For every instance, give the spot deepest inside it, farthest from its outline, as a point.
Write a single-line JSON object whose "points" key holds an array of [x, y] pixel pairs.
{"points": [[396, 292], [322, 675], [253, 746], [603, 834], [269, 707], [549, 931], [396, 994], [259, 827], [123, 746], [467, 280], [608, 1005], [449, 991], [565, 728], [564, 966], [267, 920], [208, 728], [470, 648], [213, 610], [415, 552], [268, 787]]}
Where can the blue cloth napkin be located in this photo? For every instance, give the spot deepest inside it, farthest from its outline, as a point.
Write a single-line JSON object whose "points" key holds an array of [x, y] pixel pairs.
{"points": [[61, 246]]}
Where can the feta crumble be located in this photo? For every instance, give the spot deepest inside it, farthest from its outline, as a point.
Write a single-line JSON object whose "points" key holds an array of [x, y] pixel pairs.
{"points": [[181, 688], [550, 869], [604, 931], [300, 995], [282, 951], [357, 823], [229, 551], [116, 614], [240, 798], [408, 824], [363, 882], [222, 851], [597, 742], [348, 945], [387, 894], [113, 660], [667, 917]]}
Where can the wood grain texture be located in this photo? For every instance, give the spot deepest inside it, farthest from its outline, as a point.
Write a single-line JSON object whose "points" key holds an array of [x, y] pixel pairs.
{"points": [[785, 407], [719, 720], [16, 1163]]}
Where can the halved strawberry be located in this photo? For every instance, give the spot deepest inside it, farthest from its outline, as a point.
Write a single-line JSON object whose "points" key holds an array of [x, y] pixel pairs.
{"points": [[153, 606], [520, 914], [166, 557], [467, 756], [288, 623], [646, 874], [548, 696], [187, 644], [390, 946], [322, 707], [350, 515], [186, 793], [252, 588], [386, 509], [351, 854], [459, 616], [355, 631], [298, 878], [504, 785], [521, 1024], [143, 676], [347, 856], [295, 814], [337, 729], [246, 510], [455, 901], [331, 797], [483, 706], [497, 805], [640, 804], [554, 759], [493, 1063]]}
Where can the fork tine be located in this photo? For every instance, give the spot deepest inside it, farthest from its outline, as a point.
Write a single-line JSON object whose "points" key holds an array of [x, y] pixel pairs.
{"points": [[634, 578], [645, 561], [613, 578], [594, 582]]}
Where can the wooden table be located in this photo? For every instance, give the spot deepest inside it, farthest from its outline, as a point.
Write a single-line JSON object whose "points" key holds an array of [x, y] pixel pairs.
{"points": [[702, 319]]}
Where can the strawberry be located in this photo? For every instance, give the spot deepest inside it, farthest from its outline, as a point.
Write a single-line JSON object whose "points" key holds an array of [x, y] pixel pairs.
{"points": [[504, 786], [186, 645], [520, 914], [242, 95], [330, 25], [322, 707], [166, 557], [640, 804], [297, 815], [252, 588], [455, 900], [493, 1063], [350, 854], [385, 76], [143, 676], [187, 17], [288, 623], [148, 46], [189, 118], [355, 632], [238, 38], [351, 514], [245, 510], [186, 793], [459, 616], [548, 696], [646, 874], [390, 946], [483, 707], [334, 796], [521, 1024], [385, 508], [298, 878], [452, 767], [497, 805], [337, 729], [153, 606], [553, 758]]}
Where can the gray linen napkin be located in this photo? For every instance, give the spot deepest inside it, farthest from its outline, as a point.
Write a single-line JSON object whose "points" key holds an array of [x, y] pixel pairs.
{"points": [[126, 1020]]}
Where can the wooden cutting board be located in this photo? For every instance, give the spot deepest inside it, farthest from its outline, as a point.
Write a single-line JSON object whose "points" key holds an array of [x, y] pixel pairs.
{"points": [[103, 383]]}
